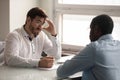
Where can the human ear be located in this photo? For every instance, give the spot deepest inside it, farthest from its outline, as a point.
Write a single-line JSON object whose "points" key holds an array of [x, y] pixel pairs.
{"points": [[28, 20], [97, 30]]}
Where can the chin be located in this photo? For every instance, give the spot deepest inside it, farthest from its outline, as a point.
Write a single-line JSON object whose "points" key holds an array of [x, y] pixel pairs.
{"points": [[35, 35]]}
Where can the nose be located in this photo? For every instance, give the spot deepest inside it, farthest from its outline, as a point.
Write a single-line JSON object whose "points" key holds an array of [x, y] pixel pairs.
{"points": [[40, 27]]}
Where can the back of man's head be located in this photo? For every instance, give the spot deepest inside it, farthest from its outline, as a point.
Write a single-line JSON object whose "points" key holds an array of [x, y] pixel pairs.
{"points": [[104, 22]]}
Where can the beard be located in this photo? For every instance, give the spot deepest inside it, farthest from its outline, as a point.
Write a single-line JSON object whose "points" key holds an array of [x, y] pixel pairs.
{"points": [[34, 31]]}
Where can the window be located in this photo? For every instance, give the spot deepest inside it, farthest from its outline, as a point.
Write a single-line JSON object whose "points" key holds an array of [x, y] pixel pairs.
{"points": [[76, 29], [73, 18], [90, 2]]}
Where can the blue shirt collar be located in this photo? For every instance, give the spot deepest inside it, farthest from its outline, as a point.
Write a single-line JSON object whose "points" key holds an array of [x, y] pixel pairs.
{"points": [[107, 36]]}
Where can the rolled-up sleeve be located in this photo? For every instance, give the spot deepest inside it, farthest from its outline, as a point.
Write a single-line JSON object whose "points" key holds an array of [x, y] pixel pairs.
{"points": [[55, 51]]}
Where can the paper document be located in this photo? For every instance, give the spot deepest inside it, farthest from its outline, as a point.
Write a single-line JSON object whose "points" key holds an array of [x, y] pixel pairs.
{"points": [[65, 58], [58, 62], [55, 66]]}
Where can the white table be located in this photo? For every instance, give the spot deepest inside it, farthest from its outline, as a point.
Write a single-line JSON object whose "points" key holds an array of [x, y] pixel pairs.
{"points": [[14, 73], [17, 73]]}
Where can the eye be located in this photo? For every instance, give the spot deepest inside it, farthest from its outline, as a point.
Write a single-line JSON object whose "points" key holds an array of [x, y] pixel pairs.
{"points": [[39, 22]]}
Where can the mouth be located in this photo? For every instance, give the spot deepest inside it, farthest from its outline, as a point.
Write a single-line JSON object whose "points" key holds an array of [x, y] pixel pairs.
{"points": [[36, 32]]}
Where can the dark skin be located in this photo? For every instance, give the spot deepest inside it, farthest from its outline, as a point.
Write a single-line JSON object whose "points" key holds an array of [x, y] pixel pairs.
{"points": [[95, 33]]}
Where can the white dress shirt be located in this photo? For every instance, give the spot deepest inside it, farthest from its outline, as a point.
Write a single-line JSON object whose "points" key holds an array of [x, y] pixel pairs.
{"points": [[100, 60], [20, 51]]}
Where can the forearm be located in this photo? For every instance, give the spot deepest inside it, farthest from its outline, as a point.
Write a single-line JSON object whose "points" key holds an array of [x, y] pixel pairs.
{"points": [[20, 62], [55, 51], [67, 69], [80, 62]]}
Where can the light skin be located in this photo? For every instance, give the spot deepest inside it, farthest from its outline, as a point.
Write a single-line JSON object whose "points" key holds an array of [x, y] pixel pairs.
{"points": [[33, 28], [46, 62]]}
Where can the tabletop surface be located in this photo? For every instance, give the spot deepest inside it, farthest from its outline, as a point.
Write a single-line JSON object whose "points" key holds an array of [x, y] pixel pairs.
{"points": [[15, 73], [18, 73]]}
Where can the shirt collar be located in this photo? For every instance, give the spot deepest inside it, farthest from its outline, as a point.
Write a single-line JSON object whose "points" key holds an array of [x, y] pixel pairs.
{"points": [[24, 32], [107, 36]]}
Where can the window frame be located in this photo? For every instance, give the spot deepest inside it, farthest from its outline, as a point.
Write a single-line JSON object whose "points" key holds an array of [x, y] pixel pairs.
{"points": [[60, 9]]}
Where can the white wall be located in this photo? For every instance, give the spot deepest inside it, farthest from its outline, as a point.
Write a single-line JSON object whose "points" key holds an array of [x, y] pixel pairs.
{"points": [[13, 13], [18, 11], [47, 5], [4, 18]]}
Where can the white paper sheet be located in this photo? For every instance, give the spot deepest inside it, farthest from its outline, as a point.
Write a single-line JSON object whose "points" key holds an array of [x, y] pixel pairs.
{"points": [[55, 66]]}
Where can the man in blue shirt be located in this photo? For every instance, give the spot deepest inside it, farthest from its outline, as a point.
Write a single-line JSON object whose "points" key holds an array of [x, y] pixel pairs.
{"points": [[100, 60]]}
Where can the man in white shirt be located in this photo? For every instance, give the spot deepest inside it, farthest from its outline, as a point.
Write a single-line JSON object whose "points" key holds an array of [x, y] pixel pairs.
{"points": [[24, 46], [99, 60]]}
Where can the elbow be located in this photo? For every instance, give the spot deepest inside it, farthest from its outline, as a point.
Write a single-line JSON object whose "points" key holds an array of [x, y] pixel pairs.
{"points": [[8, 60], [60, 73], [57, 57]]}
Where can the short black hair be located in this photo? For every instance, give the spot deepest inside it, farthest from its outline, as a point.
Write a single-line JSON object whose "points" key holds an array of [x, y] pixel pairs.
{"points": [[32, 13], [104, 22]]}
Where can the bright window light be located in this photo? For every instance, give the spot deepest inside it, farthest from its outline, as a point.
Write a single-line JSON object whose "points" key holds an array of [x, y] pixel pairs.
{"points": [[90, 2], [76, 29], [116, 30], [74, 17]]}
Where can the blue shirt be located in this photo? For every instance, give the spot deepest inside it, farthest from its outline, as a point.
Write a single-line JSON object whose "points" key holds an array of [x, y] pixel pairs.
{"points": [[100, 60]]}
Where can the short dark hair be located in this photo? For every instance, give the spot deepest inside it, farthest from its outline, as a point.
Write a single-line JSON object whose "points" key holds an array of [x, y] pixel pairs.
{"points": [[32, 13], [104, 22]]}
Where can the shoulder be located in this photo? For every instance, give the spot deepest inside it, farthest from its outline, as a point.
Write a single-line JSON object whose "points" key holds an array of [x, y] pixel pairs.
{"points": [[42, 34], [107, 44], [92, 44], [14, 34], [92, 47]]}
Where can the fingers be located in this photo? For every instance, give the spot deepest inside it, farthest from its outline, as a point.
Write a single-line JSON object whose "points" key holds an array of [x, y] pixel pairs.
{"points": [[46, 62], [49, 57], [45, 25], [51, 28], [49, 21], [49, 65]]}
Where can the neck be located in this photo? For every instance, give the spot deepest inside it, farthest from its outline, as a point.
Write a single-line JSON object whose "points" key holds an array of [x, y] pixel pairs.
{"points": [[28, 31]]}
